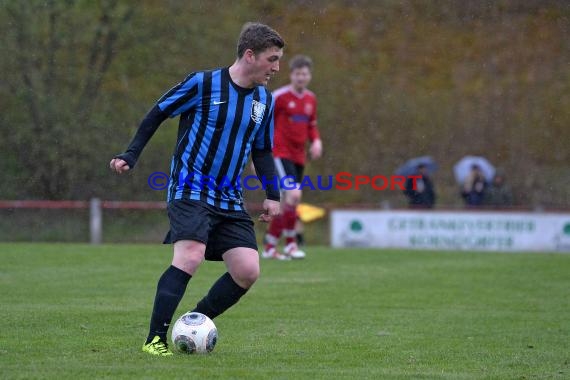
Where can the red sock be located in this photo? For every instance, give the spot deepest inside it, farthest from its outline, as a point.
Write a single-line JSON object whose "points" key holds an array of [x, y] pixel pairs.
{"points": [[274, 232], [289, 221]]}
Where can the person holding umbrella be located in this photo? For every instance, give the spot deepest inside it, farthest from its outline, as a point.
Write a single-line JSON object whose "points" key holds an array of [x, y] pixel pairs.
{"points": [[422, 195], [473, 190], [472, 173]]}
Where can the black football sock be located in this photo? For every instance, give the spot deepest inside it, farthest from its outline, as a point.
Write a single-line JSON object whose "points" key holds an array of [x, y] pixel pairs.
{"points": [[169, 292], [223, 295]]}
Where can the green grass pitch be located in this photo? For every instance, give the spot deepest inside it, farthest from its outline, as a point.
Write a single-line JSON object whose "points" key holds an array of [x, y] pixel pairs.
{"points": [[79, 311]]}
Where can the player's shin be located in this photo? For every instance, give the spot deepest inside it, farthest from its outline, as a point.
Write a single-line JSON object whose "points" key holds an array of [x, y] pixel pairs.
{"points": [[169, 291], [224, 294]]}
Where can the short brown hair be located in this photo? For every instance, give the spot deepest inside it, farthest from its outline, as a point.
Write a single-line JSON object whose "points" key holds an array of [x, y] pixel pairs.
{"points": [[300, 61], [257, 37]]}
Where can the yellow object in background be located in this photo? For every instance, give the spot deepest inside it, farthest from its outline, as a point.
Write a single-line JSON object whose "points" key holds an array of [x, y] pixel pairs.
{"points": [[309, 213]]}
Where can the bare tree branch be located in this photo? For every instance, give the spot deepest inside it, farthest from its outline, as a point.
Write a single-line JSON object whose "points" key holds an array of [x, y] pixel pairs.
{"points": [[25, 65], [102, 54], [52, 46]]}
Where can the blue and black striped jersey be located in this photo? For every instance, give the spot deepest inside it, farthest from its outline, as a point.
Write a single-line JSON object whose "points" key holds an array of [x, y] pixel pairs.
{"points": [[220, 123]]}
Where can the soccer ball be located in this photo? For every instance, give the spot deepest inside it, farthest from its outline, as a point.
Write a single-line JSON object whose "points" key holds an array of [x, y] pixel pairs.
{"points": [[194, 333]]}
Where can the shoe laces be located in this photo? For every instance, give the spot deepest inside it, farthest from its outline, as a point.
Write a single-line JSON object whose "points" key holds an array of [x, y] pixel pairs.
{"points": [[290, 248], [159, 346]]}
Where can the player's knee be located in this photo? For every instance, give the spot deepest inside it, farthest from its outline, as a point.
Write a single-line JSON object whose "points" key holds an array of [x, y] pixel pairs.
{"points": [[293, 197], [192, 263], [246, 275], [188, 257]]}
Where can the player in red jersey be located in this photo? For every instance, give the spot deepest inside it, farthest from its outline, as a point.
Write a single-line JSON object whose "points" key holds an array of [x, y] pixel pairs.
{"points": [[295, 125]]}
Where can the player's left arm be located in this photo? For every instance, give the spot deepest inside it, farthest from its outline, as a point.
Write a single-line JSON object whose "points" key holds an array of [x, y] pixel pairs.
{"points": [[262, 158], [316, 147], [265, 169]]}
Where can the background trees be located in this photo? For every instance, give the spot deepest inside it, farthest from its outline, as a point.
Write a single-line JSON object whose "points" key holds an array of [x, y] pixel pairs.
{"points": [[394, 80]]}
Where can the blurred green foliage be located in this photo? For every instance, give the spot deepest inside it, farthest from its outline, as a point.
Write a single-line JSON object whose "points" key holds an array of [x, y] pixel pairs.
{"points": [[395, 79]]}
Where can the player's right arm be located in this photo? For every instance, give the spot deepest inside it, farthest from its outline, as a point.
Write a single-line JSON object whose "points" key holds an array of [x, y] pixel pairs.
{"points": [[175, 101], [127, 160]]}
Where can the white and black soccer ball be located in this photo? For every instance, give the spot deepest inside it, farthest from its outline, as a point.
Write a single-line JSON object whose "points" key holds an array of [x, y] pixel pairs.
{"points": [[194, 333]]}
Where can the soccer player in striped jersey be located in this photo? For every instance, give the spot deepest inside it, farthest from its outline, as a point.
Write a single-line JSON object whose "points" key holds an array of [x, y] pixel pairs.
{"points": [[295, 125], [226, 114]]}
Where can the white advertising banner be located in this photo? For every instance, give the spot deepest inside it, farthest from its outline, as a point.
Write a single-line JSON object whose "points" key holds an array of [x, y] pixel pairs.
{"points": [[479, 231]]}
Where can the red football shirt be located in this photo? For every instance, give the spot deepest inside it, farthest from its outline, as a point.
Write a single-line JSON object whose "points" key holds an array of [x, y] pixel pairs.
{"points": [[295, 123]]}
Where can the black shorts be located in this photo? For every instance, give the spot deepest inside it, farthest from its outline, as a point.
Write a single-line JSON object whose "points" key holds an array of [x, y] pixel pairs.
{"points": [[219, 229], [287, 168]]}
